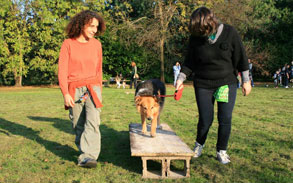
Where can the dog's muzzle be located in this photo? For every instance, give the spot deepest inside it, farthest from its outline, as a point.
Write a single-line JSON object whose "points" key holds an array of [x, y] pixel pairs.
{"points": [[149, 118]]}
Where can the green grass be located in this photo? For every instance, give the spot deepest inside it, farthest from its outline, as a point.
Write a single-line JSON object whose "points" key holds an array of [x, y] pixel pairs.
{"points": [[37, 142]]}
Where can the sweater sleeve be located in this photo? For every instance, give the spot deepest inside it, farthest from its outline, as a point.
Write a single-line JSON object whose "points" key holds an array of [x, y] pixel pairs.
{"points": [[63, 68], [100, 65], [187, 65], [239, 57]]}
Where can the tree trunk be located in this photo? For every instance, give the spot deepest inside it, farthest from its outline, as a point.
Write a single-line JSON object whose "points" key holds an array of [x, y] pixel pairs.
{"points": [[162, 58], [18, 81], [18, 75], [162, 40]]}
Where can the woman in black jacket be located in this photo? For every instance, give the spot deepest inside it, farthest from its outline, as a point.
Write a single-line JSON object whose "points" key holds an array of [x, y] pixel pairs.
{"points": [[214, 58]]}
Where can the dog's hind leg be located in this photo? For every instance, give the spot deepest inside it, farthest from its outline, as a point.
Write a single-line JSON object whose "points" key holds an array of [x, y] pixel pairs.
{"points": [[143, 124], [158, 119]]}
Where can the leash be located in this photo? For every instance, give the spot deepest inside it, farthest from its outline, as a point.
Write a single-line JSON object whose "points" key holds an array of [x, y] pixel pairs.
{"points": [[177, 95], [166, 95]]}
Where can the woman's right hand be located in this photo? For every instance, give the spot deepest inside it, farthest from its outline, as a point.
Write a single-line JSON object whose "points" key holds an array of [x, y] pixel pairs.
{"points": [[179, 85], [246, 88], [68, 101]]}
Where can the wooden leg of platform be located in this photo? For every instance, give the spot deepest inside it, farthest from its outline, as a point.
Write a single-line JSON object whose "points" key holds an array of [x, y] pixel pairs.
{"points": [[144, 167], [187, 167], [164, 168], [168, 162]]}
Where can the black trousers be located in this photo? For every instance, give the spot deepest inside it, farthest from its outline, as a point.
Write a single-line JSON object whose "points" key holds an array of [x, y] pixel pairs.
{"points": [[286, 81], [134, 81], [205, 103]]}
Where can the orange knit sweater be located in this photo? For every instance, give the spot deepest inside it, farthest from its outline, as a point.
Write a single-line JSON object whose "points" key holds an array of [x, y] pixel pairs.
{"points": [[79, 62]]}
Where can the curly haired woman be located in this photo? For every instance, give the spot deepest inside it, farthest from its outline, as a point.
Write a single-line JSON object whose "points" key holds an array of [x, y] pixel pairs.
{"points": [[80, 80]]}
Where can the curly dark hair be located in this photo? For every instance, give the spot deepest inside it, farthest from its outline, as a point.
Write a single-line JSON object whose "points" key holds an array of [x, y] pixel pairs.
{"points": [[203, 22], [77, 23]]}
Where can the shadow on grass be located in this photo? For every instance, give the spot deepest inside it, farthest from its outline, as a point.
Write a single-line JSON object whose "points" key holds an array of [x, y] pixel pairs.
{"points": [[116, 150], [63, 151], [61, 124], [115, 147]]}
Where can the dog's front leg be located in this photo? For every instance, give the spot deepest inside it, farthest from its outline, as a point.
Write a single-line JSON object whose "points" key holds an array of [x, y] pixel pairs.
{"points": [[143, 124], [154, 127]]}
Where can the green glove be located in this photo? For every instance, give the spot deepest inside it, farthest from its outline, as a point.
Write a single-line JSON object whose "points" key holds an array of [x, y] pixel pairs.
{"points": [[222, 94]]}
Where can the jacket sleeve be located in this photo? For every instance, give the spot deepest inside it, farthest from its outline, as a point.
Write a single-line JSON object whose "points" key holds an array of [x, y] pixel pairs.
{"points": [[187, 65], [239, 57]]}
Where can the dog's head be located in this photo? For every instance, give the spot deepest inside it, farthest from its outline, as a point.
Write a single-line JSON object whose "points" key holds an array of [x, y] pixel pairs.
{"points": [[147, 105]]}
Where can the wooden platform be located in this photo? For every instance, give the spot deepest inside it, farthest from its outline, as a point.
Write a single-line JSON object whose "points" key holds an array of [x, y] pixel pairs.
{"points": [[166, 146]]}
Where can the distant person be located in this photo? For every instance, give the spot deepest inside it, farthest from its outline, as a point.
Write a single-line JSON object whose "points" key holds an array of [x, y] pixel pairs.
{"points": [[214, 57], [291, 73], [118, 80], [250, 72], [286, 76], [176, 70], [283, 73], [80, 80], [280, 77], [123, 83], [276, 79], [134, 75], [239, 80]]}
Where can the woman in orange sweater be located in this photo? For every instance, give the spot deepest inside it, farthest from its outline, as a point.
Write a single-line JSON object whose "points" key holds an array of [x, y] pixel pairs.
{"points": [[80, 80]]}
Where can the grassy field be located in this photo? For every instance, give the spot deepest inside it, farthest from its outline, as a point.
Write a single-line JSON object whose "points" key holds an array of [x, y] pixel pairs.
{"points": [[37, 142]]}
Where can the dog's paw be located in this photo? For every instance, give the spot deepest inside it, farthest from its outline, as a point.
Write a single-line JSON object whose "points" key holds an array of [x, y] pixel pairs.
{"points": [[153, 134], [143, 132], [159, 127]]}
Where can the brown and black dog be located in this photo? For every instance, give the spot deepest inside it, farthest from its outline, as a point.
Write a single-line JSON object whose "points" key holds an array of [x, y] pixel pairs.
{"points": [[149, 103]]}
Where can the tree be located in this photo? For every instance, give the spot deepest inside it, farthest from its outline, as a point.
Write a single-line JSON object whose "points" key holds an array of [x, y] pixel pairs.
{"points": [[264, 28], [154, 33], [48, 22], [151, 31], [165, 12], [15, 39], [160, 26]]}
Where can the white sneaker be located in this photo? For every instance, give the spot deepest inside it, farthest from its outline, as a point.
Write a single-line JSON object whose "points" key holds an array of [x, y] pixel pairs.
{"points": [[197, 150], [223, 157]]}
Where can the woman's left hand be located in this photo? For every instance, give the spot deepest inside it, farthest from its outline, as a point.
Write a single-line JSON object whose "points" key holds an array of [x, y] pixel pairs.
{"points": [[246, 88]]}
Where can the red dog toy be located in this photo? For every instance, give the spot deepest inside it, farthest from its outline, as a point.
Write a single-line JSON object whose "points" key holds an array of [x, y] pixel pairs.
{"points": [[178, 94]]}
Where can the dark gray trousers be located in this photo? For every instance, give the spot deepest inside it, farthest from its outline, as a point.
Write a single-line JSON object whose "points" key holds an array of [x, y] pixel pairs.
{"points": [[86, 122]]}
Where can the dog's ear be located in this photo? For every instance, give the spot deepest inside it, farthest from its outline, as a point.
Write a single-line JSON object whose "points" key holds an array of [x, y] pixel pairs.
{"points": [[156, 98], [137, 100]]}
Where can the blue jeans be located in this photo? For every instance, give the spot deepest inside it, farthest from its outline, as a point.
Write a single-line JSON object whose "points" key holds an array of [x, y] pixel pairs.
{"points": [[205, 103], [175, 77]]}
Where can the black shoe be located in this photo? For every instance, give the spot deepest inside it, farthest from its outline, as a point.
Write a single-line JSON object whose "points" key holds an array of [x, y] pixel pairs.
{"points": [[88, 163]]}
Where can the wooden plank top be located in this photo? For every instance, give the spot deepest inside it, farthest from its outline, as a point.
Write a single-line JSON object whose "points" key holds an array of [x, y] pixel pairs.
{"points": [[166, 142]]}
